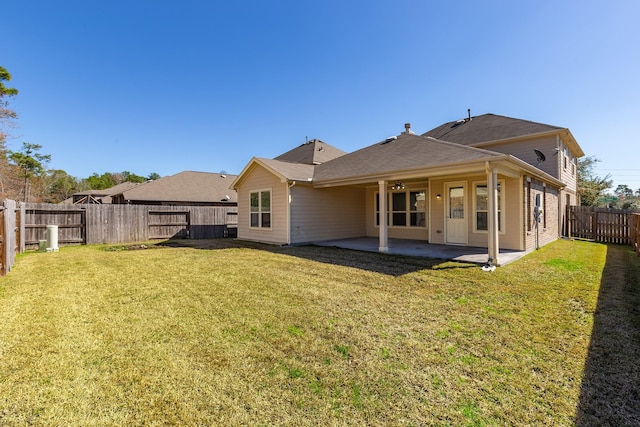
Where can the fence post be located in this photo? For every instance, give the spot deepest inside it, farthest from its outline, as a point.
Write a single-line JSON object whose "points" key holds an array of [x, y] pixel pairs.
{"points": [[633, 232], [3, 243]]}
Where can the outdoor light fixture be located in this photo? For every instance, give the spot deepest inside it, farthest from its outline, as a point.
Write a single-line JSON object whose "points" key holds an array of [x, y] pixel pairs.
{"points": [[398, 186], [438, 196]]}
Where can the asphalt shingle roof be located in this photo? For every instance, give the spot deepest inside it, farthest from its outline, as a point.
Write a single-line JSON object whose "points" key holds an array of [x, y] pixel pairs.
{"points": [[116, 189], [186, 186], [405, 152], [291, 171], [313, 152], [486, 128]]}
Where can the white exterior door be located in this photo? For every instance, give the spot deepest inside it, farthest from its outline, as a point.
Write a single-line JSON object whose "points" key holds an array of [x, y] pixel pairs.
{"points": [[456, 214]]}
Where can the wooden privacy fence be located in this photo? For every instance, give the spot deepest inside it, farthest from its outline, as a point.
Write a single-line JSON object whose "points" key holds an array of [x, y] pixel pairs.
{"points": [[635, 233], [25, 225], [94, 223], [601, 224]]}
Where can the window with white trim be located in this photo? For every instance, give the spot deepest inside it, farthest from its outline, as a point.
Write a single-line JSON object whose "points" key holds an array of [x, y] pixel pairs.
{"points": [[261, 209], [405, 209], [481, 207]]}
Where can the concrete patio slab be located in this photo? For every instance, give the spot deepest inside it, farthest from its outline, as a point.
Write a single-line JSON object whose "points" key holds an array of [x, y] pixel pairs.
{"points": [[421, 249]]}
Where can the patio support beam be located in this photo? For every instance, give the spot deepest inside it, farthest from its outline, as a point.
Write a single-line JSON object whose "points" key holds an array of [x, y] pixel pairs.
{"points": [[492, 213], [383, 202]]}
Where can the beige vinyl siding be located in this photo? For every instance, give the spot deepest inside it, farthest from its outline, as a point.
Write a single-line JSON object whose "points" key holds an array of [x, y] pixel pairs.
{"points": [[326, 213], [259, 179], [436, 211], [569, 175], [524, 151], [411, 233], [509, 237]]}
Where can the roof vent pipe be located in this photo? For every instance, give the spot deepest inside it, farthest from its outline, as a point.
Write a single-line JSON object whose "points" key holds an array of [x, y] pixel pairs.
{"points": [[407, 128], [469, 113]]}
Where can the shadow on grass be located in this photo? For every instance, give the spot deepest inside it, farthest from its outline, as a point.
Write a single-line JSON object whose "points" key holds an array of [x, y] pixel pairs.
{"points": [[610, 391], [395, 265]]}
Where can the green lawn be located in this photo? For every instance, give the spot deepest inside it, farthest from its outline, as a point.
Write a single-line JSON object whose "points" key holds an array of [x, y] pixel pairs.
{"points": [[224, 333]]}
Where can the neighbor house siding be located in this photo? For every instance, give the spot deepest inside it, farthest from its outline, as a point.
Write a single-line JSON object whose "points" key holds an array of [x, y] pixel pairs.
{"points": [[326, 213], [259, 179]]}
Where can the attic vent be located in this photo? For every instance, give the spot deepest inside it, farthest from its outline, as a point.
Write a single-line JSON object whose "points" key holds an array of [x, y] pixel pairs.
{"points": [[391, 138], [223, 176]]}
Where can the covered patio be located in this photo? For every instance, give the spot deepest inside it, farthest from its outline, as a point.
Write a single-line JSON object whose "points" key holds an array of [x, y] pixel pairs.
{"points": [[422, 249]]}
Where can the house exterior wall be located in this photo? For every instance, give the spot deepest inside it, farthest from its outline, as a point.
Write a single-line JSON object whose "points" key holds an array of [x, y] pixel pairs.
{"points": [[523, 150], [510, 237], [547, 229], [261, 179], [568, 171], [326, 213], [567, 164], [393, 232]]}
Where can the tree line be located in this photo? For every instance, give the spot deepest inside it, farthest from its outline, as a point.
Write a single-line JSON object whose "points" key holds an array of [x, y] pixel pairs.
{"points": [[595, 190], [24, 174]]}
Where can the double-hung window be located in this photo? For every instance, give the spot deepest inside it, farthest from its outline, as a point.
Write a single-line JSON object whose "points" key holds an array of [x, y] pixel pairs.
{"points": [[261, 209], [481, 207]]}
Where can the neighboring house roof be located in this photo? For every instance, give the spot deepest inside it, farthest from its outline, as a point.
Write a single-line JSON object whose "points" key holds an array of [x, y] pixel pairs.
{"points": [[491, 128], [119, 189], [398, 154], [108, 191], [312, 152], [186, 186], [100, 196]]}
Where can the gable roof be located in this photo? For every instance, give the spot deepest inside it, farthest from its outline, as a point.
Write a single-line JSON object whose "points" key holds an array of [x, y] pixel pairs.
{"points": [[187, 186], [399, 154], [313, 152], [289, 171], [286, 171], [487, 128]]}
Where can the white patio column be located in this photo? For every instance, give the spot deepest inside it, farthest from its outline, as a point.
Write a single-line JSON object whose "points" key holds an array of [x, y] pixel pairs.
{"points": [[383, 218], [492, 213]]}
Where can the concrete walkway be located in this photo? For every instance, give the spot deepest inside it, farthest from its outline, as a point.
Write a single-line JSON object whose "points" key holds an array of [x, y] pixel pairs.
{"points": [[422, 249]]}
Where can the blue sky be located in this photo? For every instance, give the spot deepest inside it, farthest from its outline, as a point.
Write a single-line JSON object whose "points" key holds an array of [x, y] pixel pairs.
{"points": [[166, 86]]}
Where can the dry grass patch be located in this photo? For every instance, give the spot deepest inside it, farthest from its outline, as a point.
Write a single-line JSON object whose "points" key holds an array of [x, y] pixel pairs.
{"points": [[221, 333]]}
